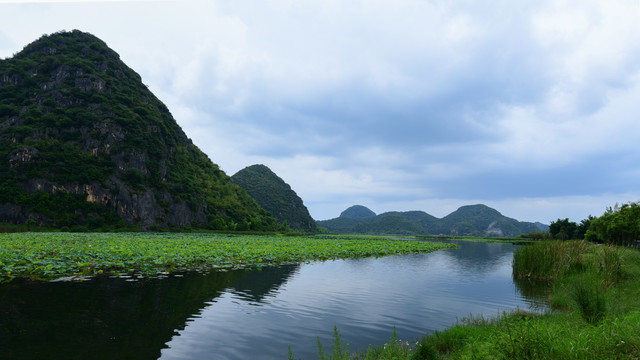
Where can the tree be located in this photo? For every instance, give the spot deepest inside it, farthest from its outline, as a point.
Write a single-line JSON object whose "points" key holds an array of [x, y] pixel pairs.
{"points": [[582, 228], [619, 226], [562, 229]]}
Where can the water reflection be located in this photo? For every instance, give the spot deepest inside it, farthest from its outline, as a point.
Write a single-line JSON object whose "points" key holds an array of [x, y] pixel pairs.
{"points": [[479, 257], [114, 318], [364, 298], [257, 314], [535, 292]]}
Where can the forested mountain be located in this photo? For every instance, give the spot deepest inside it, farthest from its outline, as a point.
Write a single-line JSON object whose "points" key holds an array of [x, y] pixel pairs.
{"points": [[472, 220], [275, 196], [357, 212], [84, 143]]}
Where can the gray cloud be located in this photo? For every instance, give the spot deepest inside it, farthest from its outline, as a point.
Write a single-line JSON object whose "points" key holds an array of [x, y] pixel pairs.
{"points": [[395, 105]]}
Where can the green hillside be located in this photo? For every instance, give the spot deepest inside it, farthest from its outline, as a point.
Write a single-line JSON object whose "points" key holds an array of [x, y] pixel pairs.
{"points": [[85, 143], [357, 212], [275, 196], [481, 220], [472, 220], [389, 223]]}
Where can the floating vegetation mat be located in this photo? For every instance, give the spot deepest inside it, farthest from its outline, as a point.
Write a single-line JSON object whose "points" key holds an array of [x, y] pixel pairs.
{"points": [[50, 256]]}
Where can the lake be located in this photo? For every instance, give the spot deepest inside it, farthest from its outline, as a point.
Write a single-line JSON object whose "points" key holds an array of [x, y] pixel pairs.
{"points": [[257, 314]]}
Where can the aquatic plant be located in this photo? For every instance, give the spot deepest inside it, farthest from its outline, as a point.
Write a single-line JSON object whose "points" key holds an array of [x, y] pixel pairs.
{"points": [[610, 265], [394, 349], [47, 256], [339, 351], [546, 260]]}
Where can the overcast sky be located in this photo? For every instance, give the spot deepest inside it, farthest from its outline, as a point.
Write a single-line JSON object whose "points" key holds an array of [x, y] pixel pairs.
{"points": [[532, 108]]}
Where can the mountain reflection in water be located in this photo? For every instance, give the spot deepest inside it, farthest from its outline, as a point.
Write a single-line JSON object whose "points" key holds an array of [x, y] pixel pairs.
{"points": [[108, 318]]}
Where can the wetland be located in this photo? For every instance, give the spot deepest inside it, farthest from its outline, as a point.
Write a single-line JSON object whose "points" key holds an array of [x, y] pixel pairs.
{"points": [[258, 313]]}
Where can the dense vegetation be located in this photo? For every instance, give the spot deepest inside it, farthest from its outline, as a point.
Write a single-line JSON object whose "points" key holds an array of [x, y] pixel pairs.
{"points": [[276, 196], [77, 123], [357, 212], [473, 220], [594, 292], [53, 255], [619, 225]]}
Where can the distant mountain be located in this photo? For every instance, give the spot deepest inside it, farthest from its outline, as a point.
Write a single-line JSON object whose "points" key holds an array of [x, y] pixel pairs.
{"points": [[483, 221], [275, 196], [357, 212], [85, 144], [350, 219], [472, 220]]}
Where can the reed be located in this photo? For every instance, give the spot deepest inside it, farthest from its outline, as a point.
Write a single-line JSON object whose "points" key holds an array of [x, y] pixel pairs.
{"points": [[547, 260], [609, 264]]}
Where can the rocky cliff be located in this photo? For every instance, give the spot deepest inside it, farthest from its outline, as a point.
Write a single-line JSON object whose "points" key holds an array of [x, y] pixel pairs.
{"points": [[83, 142]]}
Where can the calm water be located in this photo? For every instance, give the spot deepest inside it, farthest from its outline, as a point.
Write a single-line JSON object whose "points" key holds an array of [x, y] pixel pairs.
{"points": [[257, 314]]}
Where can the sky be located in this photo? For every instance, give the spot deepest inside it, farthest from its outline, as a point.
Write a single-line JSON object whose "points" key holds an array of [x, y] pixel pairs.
{"points": [[531, 108]]}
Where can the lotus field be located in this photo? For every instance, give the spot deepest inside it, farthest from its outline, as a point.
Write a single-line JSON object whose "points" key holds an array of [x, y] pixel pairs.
{"points": [[48, 256]]}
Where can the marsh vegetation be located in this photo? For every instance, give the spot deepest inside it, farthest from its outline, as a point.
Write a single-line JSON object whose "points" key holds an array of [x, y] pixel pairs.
{"points": [[46, 256]]}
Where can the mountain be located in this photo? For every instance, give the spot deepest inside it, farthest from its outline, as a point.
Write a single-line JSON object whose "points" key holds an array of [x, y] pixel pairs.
{"points": [[275, 196], [482, 220], [84, 143], [357, 212], [472, 220]]}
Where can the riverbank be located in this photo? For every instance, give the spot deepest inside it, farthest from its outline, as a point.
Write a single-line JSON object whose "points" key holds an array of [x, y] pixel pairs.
{"points": [[49, 256], [513, 240], [596, 313]]}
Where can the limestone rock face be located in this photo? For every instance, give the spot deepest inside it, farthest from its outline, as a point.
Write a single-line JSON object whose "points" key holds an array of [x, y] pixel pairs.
{"points": [[85, 142]]}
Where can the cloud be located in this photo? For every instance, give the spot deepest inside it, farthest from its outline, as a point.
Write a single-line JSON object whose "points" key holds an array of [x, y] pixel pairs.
{"points": [[6, 43], [391, 105], [426, 100]]}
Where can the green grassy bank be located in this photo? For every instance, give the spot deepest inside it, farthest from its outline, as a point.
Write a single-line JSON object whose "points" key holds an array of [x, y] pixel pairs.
{"points": [[596, 313], [46, 256]]}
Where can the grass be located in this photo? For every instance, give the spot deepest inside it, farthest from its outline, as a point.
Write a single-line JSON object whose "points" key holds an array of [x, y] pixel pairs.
{"points": [[46, 256], [596, 312], [394, 349], [548, 259], [589, 299]]}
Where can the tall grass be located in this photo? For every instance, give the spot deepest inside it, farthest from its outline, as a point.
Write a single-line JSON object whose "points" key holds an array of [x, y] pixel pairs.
{"points": [[546, 260], [609, 264], [394, 349], [589, 298]]}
